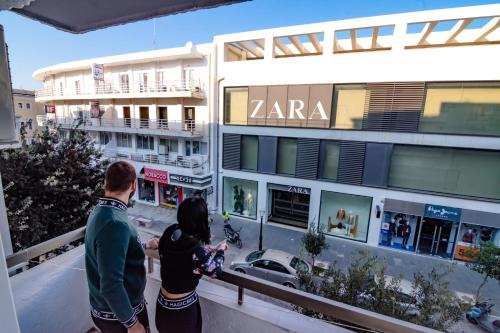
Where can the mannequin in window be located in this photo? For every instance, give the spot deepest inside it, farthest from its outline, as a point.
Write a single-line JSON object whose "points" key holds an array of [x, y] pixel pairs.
{"points": [[341, 217], [468, 237], [406, 231]]}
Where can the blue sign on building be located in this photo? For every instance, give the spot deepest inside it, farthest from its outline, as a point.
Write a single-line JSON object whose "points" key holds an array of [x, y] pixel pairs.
{"points": [[443, 212]]}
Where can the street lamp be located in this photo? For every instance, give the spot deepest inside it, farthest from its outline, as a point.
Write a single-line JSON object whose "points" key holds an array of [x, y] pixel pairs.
{"points": [[262, 212]]}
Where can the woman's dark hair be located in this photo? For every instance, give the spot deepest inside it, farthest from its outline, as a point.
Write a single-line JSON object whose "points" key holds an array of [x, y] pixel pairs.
{"points": [[192, 216]]}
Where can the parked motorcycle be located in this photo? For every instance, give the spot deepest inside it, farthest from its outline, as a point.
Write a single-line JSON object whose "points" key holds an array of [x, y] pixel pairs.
{"points": [[232, 236], [480, 315]]}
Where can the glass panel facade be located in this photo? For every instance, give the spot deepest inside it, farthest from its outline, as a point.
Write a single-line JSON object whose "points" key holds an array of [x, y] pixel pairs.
{"points": [[471, 236], [446, 170], [345, 215], [287, 156], [348, 107], [249, 149], [124, 140], [464, 109], [399, 231], [145, 142], [236, 105], [146, 190], [240, 197], [331, 161]]}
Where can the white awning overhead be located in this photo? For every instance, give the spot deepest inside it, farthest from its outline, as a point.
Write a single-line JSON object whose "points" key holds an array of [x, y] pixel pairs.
{"points": [[79, 16]]}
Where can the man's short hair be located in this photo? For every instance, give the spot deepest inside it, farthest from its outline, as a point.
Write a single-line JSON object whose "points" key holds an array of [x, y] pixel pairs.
{"points": [[119, 176]]}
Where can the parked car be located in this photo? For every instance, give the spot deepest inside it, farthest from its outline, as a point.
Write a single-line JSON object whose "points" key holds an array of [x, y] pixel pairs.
{"points": [[273, 265]]}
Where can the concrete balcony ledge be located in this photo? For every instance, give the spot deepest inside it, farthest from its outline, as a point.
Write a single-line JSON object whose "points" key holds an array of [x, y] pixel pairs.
{"points": [[53, 297]]}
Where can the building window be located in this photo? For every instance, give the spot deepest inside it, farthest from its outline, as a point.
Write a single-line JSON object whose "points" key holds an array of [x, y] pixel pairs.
{"points": [[104, 138], [345, 215], [20, 105], [348, 107], [196, 147], [240, 197], [471, 236], [77, 87], [168, 146], [446, 170], [235, 105], [124, 140], [331, 153], [28, 106], [249, 149], [145, 142], [287, 156], [204, 148], [461, 109], [146, 190]]}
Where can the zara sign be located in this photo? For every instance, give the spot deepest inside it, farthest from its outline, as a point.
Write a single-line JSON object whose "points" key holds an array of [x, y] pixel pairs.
{"points": [[290, 106]]}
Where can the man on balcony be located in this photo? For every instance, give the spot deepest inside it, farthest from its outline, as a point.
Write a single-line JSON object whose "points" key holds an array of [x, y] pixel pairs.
{"points": [[114, 257]]}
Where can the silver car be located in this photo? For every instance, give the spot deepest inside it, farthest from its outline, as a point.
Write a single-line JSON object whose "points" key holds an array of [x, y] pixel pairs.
{"points": [[273, 265]]}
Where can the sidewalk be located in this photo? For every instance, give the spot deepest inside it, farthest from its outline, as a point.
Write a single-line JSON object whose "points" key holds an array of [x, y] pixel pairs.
{"points": [[462, 279]]}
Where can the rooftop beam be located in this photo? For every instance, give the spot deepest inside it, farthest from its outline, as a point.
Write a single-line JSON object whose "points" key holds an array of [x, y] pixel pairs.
{"points": [[374, 37], [234, 49], [252, 50], [354, 45], [458, 28], [279, 44], [315, 42], [296, 42], [259, 43], [488, 28], [429, 26]]}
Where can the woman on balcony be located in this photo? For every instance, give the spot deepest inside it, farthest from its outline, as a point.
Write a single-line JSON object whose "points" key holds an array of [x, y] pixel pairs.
{"points": [[184, 259]]}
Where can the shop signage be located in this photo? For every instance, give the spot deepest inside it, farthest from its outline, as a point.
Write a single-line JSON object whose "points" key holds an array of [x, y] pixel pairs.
{"points": [[181, 179], [297, 189], [443, 213], [50, 109], [159, 176], [461, 252], [98, 71]]}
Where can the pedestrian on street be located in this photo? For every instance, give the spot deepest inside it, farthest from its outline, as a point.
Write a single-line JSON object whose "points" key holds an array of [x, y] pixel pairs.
{"points": [[114, 257]]}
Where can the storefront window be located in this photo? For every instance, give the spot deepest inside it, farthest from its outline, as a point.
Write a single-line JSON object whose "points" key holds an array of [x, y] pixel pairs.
{"points": [[331, 159], [240, 197], [287, 155], [146, 190], [170, 195], [463, 108], [446, 170], [236, 105], [471, 236], [191, 192], [249, 148], [348, 106], [345, 215], [399, 231], [145, 142]]}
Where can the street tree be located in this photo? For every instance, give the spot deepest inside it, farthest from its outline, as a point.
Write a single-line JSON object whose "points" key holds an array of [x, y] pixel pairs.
{"points": [[486, 261], [314, 242]]}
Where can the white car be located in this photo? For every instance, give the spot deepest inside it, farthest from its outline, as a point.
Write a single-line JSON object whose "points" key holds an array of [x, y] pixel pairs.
{"points": [[273, 265]]}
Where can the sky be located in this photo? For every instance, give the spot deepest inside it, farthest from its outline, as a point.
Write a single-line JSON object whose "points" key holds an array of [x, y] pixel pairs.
{"points": [[33, 45]]}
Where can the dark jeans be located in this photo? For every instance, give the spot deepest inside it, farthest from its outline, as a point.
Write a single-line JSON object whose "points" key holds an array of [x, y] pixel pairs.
{"points": [[178, 316], [114, 326]]}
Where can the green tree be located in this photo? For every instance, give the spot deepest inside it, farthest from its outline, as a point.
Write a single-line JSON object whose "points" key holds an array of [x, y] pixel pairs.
{"points": [[314, 242], [485, 261], [50, 185]]}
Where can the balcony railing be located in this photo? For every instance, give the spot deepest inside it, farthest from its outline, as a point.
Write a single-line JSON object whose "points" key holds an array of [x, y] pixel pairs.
{"points": [[343, 312], [174, 88], [153, 124], [176, 161]]}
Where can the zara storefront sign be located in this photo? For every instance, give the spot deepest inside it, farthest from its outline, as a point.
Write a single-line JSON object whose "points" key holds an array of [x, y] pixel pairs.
{"points": [[443, 213], [159, 176], [300, 190]]}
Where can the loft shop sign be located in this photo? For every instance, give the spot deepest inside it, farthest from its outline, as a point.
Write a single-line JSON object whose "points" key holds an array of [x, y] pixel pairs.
{"points": [[291, 106], [443, 213], [181, 179]]}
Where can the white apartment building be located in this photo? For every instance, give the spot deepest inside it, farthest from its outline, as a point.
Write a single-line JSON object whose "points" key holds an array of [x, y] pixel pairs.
{"points": [[149, 108], [383, 130]]}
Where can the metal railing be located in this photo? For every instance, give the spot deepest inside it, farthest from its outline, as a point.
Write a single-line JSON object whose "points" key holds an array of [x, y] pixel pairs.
{"points": [[344, 312], [153, 124], [174, 160], [104, 88]]}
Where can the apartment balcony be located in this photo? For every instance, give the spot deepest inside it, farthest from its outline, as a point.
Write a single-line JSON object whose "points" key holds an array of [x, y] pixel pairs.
{"points": [[187, 128], [106, 90], [53, 297], [196, 165]]}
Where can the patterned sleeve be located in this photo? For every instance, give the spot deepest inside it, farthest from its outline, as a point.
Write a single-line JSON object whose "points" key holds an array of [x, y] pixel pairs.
{"points": [[208, 262]]}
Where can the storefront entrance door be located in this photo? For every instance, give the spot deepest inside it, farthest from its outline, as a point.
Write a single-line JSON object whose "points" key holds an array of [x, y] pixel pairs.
{"points": [[290, 208], [437, 238]]}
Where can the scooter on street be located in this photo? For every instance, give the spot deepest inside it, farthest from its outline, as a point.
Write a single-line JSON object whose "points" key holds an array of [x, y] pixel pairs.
{"points": [[232, 236], [480, 315]]}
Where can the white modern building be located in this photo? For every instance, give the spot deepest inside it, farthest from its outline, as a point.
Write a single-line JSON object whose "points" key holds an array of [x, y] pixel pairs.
{"points": [[383, 130], [149, 108]]}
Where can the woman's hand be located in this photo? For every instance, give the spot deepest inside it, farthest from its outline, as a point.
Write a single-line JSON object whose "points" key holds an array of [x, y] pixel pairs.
{"points": [[152, 244]]}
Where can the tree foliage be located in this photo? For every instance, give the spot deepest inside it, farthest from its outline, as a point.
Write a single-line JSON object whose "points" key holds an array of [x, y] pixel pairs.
{"points": [[50, 185], [485, 261], [365, 284], [313, 242]]}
